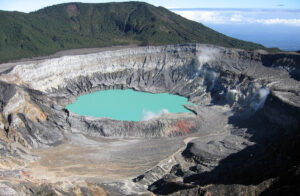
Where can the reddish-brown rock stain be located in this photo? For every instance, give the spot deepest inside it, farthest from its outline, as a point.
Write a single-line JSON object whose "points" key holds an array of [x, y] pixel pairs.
{"points": [[183, 126]]}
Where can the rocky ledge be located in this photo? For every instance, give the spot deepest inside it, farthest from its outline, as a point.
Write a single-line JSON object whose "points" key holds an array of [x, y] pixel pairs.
{"points": [[240, 138]]}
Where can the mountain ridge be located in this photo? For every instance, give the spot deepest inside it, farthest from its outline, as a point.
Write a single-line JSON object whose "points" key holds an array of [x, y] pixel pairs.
{"points": [[81, 25]]}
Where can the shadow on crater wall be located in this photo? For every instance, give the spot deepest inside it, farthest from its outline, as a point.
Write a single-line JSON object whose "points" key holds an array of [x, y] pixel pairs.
{"points": [[274, 155]]}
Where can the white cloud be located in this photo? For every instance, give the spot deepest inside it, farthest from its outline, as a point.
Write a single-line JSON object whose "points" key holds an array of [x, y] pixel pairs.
{"points": [[147, 115], [293, 22], [236, 18], [203, 16], [220, 16]]}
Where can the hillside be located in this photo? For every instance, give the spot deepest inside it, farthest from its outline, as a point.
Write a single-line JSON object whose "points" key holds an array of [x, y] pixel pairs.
{"points": [[79, 25]]}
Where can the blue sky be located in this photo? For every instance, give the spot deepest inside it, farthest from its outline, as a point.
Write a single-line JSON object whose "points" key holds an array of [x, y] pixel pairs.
{"points": [[31, 5], [272, 27], [271, 16]]}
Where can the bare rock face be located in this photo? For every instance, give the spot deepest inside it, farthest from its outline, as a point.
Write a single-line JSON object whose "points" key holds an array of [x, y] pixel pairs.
{"points": [[239, 137]]}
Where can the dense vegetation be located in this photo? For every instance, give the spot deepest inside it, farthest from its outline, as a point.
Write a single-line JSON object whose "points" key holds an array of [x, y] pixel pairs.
{"points": [[79, 25]]}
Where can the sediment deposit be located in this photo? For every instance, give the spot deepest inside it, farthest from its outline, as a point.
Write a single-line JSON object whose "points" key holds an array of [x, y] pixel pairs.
{"points": [[239, 137]]}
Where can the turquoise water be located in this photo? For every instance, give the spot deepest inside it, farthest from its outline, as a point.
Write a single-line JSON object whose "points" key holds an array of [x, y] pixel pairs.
{"points": [[127, 104]]}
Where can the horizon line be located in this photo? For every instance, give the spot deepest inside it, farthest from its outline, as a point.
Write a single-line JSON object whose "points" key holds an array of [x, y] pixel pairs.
{"points": [[234, 9]]}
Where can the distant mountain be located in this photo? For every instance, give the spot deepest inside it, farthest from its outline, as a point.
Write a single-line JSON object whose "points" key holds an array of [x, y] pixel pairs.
{"points": [[80, 25]]}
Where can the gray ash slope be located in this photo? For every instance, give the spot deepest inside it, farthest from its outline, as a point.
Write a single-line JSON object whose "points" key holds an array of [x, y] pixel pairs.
{"points": [[241, 137]]}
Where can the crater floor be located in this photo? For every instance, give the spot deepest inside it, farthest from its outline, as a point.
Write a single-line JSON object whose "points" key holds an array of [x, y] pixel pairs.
{"points": [[109, 160], [115, 159]]}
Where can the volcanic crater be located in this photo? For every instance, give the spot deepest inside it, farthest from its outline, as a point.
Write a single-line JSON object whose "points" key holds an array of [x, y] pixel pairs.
{"points": [[237, 138]]}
